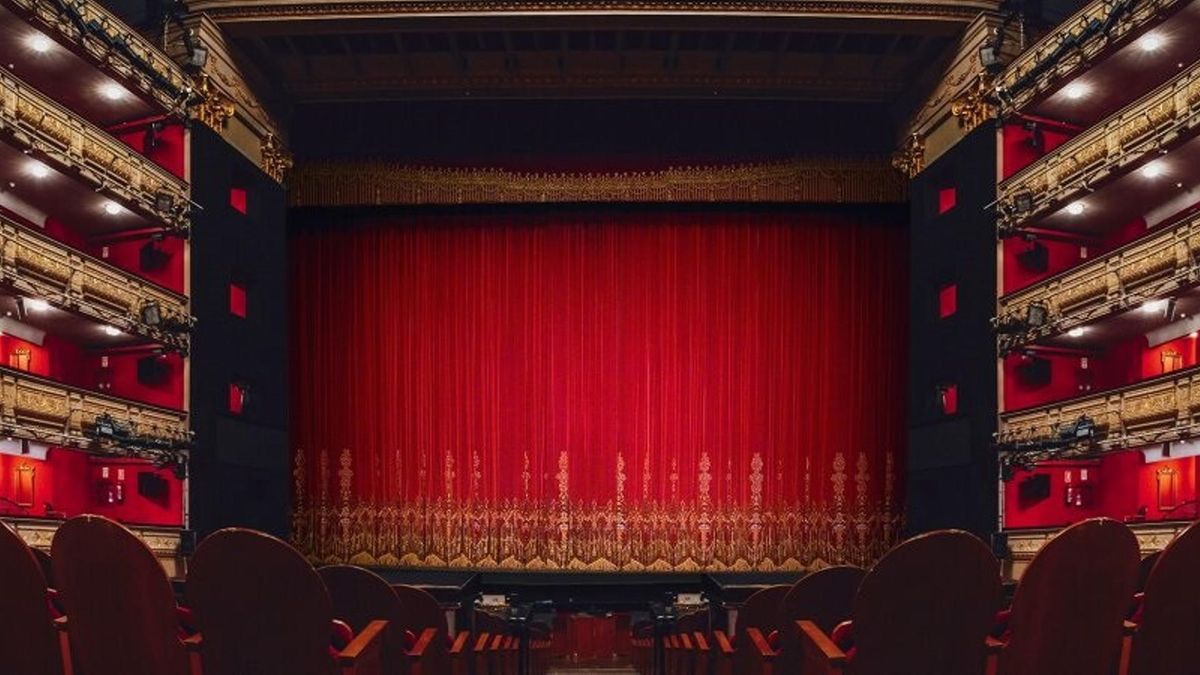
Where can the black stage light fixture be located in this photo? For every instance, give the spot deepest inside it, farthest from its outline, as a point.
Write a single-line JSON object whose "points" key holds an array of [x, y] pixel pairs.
{"points": [[21, 312], [989, 56], [151, 313], [163, 202], [1036, 258], [1023, 202], [1036, 315], [151, 257], [1172, 308], [1037, 138]]}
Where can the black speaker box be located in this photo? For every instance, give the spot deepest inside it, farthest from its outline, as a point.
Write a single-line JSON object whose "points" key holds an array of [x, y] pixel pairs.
{"points": [[152, 370], [1034, 488], [1035, 259], [152, 486], [1035, 371]]}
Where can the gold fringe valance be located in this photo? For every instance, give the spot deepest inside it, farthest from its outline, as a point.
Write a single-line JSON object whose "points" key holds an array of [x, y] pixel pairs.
{"points": [[380, 183]]}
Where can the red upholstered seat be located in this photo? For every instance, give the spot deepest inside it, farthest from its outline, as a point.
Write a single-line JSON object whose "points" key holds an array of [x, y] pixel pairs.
{"points": [[773, 639], [54, 603], [1137, 608], [1002, 625], [843, 637]]}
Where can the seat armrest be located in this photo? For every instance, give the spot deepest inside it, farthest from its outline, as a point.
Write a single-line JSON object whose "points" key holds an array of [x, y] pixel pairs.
{"points": [[1128, 627], [194, 643], [820, 654], [365, 645], [460, 642], [481, 643], [724, 647], [701, 642], [993, 645], [60, 624], [425, 639], [761, 646]]}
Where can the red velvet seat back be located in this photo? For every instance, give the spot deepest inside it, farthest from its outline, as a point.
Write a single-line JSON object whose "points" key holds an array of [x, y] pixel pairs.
{"points": [[27, 640], [1168, 639], [359, 597], [120, 605], [926, 607], [44, 562], [421, 611], [824, 597], [1069, 607], [260, 606], [761, 611], [1144, 569]]}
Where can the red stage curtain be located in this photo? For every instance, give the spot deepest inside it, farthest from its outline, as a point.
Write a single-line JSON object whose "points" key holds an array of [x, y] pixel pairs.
{"points": [[608, 390]]}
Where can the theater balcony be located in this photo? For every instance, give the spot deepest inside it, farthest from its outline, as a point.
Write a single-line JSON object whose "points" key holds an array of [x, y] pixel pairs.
{"points": [[1107, 55], [1127, 167], [64, 166], [36, 266], [83, 56]]}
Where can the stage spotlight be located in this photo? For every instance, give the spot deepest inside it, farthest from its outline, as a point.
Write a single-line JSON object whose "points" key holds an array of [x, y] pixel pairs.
{"points": [[1078, 331], [151, 313], [1036, 315], [989, 57], [163, 202], [1076, 208], [1151, 42], [39, 43], [1022, 202]]}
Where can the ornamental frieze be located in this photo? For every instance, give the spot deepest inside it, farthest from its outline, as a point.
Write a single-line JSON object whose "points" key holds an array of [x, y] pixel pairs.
{"points": [[1163, 117], [1024, 544]]}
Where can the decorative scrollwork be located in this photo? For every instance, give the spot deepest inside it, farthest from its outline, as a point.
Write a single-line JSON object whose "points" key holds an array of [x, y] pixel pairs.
{"points": [[910, 158]]}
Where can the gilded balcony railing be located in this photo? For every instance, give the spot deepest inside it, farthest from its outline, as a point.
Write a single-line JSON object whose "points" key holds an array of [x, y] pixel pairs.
{"points": [[41, 409], [113, 45], [1161, 409], [38, 266], [1148, 268], [35, 122], [1159, 119], [1024, 544], [1073, 44]]}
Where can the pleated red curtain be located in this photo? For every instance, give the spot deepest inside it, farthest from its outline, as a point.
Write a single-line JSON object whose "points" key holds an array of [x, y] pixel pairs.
{"points": [[633, 390]]}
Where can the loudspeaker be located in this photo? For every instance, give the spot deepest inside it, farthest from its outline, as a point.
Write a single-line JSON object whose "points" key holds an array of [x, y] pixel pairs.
{"points": [[1035, 259], [1034, 488], [151, 258], [1035, 371], [152, 370], [152, 486]]}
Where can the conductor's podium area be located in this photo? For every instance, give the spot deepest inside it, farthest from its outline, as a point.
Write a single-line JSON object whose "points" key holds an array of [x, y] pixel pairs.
{"points": [[100, 603]]}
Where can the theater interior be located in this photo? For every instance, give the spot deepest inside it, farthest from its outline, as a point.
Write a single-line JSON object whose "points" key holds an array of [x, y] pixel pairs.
{"points": [[621, 337]]}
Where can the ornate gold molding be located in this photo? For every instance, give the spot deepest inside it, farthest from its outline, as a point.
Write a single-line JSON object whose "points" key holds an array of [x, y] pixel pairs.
{"points": [[214, 108], [1157, 410], [163, 541], [1023, 85], [1165, 116], [166, 83], [1151, 267], [41, 267], [276, 161], [40, 409], [34, 122], [232, 10], [383, 183], [229, 105], [910, 158], [1024, 544], [976, 104]]}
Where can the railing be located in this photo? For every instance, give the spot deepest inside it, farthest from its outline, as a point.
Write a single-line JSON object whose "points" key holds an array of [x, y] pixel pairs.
{"points": [[38, 123], [1148, 268], [41, 267], [41, 409], [1024, 544], [112, 44], [1073, 44], [1153, 411], [1153, 122]]}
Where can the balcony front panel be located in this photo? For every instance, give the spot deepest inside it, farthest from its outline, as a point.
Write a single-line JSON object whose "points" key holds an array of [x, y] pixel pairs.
{"points": [[1080, 43], [165, 542], [105, 40], [43, 410], [41, 267], [1161, 409], [1151, 267], [1023, 545], [1157, 121], [38, 124]]}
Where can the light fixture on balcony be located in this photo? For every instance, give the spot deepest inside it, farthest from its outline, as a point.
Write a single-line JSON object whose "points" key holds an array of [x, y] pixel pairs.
{"points": [[39, 43], [112, 91], [37, 170], [151, 313], [1077, 331], [110, 331], [1076, 208], [1076, 91], [1154, 306], [36, 305], [1152, 170], [112, 208], [1151, 42]]}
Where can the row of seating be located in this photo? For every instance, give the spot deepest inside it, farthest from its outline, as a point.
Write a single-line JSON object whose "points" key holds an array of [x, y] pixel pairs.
{"points": [[1086, 605], [101, 604]]}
